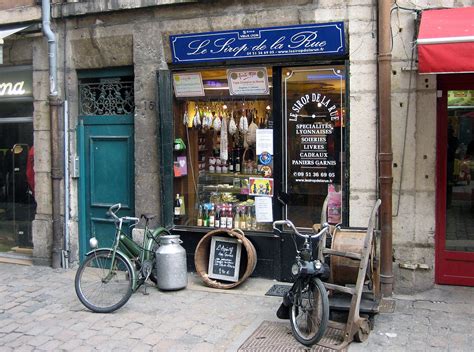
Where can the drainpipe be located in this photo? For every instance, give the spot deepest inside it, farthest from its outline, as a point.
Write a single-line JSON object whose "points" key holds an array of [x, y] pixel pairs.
{"points": [[54, 106], [385, 155]]}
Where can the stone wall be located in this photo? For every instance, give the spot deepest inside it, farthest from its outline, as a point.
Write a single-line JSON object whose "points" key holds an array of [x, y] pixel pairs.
{"points": [[42, 225]]}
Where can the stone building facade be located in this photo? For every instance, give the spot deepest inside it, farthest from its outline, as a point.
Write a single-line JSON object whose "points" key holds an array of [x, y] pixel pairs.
{"points": [[95, 35]]}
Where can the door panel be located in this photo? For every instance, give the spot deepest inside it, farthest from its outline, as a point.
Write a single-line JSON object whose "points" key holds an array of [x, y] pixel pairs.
{"points": [[455, 190], [109, 177], [313, 131], [110, 165]]}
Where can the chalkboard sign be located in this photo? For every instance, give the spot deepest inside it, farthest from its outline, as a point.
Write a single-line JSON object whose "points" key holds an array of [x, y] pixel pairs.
{"points": [[224, 259]]}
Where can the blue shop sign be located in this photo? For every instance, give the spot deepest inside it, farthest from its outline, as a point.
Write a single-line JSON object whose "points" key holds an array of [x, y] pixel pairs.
{"points": [[304, 39]]}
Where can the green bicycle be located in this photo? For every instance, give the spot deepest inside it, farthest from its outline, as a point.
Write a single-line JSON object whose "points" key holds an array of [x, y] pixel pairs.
{"points": [[108, 276]]}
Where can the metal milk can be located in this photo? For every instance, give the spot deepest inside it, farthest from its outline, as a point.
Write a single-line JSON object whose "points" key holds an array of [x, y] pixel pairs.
{"points": [[171, 269]]}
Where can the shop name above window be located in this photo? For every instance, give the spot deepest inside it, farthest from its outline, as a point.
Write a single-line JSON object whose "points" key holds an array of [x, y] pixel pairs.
{"points": [[12, 89], [15, 82], [310, 39]]}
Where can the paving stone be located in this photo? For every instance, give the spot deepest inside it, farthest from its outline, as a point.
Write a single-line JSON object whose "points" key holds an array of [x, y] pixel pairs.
{"points": [[52, 345], [48, 316], [39, 340], [9, 328]]}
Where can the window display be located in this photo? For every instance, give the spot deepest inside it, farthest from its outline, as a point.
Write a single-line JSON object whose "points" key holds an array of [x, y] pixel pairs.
{"points": [[219, 150], [314, 123]]}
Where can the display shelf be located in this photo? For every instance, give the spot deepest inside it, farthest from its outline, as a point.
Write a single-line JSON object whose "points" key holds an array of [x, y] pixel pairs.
{"points": [[222, 189], [219, 175]]}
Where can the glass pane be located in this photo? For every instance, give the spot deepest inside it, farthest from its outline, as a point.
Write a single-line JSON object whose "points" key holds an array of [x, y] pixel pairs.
{"points": [[313, 113], [218, 171], [460, 164], [17, 204]]}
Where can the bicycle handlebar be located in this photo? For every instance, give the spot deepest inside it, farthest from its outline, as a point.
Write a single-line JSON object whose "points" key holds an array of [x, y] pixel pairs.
{"points": [[295, 230], [113, 210]]}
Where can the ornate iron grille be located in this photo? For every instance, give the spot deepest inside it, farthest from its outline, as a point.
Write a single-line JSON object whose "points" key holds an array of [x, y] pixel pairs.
{"points": [[107, 97]]}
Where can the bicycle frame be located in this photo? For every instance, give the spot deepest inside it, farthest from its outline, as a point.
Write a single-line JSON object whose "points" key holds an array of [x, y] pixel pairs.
{"points": [[124, 246]]}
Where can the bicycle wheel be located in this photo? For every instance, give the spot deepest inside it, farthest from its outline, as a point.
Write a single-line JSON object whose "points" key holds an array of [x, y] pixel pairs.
{"points": [[309, 312], [103, 286]]}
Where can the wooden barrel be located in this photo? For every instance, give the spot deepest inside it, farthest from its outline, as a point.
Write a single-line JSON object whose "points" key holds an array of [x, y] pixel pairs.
{"points": [[344, 270], [247, 263]]}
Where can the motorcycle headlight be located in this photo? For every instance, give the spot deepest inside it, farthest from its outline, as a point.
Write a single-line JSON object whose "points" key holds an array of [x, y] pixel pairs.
{"points": [[295, 269], [93, 243], [317, 264]]}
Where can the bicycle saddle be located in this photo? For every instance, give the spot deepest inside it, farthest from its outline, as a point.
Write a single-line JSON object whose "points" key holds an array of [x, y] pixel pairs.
{"points": [[148, 216]]}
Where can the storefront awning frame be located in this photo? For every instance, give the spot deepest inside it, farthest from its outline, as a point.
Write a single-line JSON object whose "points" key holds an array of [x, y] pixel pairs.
{"points": [[446, 41]]}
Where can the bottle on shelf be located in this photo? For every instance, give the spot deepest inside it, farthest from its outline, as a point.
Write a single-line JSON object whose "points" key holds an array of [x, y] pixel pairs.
{"points": [[230, 218], [223, 223], [199, 218], [231, 162], [211, 216], [205, 221], [248, 219], [237, 163], [177, 207], [237, 218], [217, 220], [243, 220], [254, 219]]}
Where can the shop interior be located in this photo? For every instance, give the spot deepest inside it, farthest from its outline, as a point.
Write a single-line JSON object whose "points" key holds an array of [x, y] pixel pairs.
{"points": [[17, 203], [460, 164], [216, 169]]}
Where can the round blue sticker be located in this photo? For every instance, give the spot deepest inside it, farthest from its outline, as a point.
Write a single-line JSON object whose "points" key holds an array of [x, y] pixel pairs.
{"points": [[265, 158]]}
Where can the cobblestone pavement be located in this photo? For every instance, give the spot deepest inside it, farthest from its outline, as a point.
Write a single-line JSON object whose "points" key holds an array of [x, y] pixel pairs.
{"points": [[39, 311]]}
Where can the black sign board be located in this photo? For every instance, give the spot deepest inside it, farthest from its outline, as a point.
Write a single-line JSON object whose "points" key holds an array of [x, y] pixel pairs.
{"points": [[224, 259]]}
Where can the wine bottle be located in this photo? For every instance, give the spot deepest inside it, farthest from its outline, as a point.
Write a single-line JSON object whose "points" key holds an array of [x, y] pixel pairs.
{"points": [[243, 220], [237, 218], [177, 207], [254, 219], [249, 219], [224, 217], [199, 219], [217, 220], [229, 217], [205, 221], [211, 216], [237, 163]]}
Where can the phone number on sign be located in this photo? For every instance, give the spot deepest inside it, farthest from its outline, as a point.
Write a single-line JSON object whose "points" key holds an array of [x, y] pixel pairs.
{"points": [[314, 174]]}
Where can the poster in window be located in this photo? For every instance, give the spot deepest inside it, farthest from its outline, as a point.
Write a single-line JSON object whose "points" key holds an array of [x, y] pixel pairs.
{"points": [[248, 81], [188, 85]]}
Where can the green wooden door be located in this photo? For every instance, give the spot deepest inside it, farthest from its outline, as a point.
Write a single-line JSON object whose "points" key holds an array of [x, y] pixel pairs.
{"points": [[107, 175], [106, 152]]}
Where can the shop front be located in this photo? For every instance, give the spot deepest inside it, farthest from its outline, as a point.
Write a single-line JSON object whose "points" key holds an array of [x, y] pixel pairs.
{"points": [[17, 189], [254, 128], [445, 48]]}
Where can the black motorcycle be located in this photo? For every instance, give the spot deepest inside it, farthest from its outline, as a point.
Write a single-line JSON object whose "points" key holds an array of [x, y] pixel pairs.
{"points": [[306, 304]]}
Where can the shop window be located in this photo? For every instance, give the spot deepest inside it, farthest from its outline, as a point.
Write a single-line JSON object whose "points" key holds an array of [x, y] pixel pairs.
{"points": [[460, 171], [313, 129], [223, 133], [17, 197]]}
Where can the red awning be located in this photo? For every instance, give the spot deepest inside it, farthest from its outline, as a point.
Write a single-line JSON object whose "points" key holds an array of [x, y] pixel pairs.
{"points": [[446, 41]]}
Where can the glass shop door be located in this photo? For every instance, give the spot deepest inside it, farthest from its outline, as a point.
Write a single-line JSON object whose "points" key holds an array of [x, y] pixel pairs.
{"points": [[17, 190], [313, 135], [455, 184]]}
